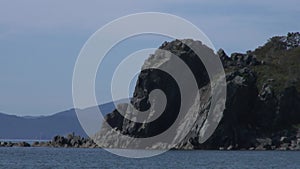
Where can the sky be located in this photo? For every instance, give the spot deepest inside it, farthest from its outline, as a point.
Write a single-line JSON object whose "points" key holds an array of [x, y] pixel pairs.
{"points": [[40, 40]]}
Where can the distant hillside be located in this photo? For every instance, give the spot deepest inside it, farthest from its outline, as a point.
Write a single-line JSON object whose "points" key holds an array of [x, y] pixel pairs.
{"points": [[44, 127]]}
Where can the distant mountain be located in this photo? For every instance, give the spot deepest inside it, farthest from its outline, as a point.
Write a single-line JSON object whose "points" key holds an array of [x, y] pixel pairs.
{"points": [[44, 127]]}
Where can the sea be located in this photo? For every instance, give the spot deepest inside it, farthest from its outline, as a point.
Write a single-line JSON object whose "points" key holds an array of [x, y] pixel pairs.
{"points": [[65, 158]]}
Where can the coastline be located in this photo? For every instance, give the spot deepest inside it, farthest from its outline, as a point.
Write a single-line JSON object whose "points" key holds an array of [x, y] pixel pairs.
{"points": [[70, 141], [73, 141]]}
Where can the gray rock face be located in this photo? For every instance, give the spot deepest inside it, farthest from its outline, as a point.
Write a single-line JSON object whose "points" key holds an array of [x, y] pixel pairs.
{"points": [[235, 128], [252, 119], [238, 59], [292, 40]]}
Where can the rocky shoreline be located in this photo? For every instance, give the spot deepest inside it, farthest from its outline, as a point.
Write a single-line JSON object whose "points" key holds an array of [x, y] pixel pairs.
{"points": [[70, 141], [283, 141]]}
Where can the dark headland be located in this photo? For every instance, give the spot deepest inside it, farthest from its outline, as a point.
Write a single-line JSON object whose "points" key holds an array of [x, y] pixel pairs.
{"points": [[262, 109]]}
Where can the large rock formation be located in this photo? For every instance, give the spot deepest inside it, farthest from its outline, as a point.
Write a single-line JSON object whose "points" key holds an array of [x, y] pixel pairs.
{"points": [[151, 78], [262, 109]]}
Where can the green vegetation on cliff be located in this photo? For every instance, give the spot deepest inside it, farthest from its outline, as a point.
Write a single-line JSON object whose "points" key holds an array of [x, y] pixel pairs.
{"points": [[281, 58]]}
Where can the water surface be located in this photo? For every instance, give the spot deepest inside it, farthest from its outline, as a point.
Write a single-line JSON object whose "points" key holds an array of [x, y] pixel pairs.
{"points": [[30, 157]]}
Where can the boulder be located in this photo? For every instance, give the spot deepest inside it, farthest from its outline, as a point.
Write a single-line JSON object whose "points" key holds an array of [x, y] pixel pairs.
{"points": [[264, 144], [22, 144], [59, 141]]}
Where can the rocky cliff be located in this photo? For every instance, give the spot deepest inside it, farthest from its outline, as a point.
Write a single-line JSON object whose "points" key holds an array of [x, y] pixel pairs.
{"points": [[262, 109]]}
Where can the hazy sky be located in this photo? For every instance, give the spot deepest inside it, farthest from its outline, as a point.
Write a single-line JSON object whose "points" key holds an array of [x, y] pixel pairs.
{"points": [[40, 40]]}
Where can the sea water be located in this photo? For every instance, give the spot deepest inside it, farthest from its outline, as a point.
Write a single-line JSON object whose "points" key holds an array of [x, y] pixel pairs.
{"points": [[40, 157]]}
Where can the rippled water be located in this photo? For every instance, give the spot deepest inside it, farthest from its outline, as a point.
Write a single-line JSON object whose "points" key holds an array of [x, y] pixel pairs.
{"points": [[97, 158]]}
